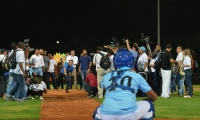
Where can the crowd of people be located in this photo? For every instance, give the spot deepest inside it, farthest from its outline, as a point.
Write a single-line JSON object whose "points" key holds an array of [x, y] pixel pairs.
{"points": [[163, 73], [108, 70]]}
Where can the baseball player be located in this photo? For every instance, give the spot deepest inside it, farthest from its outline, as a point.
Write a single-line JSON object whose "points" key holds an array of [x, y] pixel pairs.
{"points": [[120, 98]]}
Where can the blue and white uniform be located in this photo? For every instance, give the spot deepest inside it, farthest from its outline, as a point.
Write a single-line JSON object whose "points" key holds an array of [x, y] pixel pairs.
{"points": [[121, 104]]}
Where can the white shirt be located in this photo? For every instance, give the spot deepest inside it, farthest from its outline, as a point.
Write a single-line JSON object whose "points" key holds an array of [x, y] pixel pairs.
{"points": [[2, 57], [141, 61], [179, 57], [20, 58], [112, 63], [38, 87], [152, 62], [52, 64], [97, 59], [187, 61], [74, 58], [38, 60]]}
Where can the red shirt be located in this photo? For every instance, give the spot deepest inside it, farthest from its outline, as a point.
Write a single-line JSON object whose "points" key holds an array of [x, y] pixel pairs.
{"points": [[92, 79]]}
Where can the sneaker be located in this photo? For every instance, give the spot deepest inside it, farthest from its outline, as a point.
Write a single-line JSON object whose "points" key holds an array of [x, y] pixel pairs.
{"points": [[33, 98], [187, 96], [89, 96], [41, 98], [10, 97], [29, 97]]}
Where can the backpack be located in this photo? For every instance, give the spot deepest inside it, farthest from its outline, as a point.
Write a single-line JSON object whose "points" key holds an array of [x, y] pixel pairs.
{"points": [[105, 61], [5, 65], [12, 63]]}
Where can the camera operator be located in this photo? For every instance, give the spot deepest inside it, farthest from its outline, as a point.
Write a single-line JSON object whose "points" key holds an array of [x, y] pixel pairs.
{"points": [[133, 51], [155, 69]]}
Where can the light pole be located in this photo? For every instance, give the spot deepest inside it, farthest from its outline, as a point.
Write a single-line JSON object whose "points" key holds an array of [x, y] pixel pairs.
{"points": [[158, 34]]}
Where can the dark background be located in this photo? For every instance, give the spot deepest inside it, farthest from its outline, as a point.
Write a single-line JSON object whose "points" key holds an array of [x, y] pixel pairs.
{"points": [[86, 24]]}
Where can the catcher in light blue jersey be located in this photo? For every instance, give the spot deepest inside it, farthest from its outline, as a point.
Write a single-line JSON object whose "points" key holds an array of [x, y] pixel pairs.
{"points": [[121, 87]]}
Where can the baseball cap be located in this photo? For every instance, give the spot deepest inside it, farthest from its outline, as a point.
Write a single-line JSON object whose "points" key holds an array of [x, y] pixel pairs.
{"points": [[142, 48]]}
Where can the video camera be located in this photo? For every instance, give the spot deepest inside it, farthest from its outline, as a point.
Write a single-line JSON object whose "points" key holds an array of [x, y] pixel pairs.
{"points": [[121, 42], [145, 38], [26, 42]]}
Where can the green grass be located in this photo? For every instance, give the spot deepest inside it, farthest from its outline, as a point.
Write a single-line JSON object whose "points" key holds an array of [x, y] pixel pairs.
{"points": [[177, 106], [28, 110]]}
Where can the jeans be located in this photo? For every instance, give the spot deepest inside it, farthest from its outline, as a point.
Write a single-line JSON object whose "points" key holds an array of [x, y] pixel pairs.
{"points": [[155, 81], [10, 84], [68, 82], [188, 79], [67, 78], [90, 90], [19, 86], [60, 81], [51, 74], [46, 78], [180, 80], [173, 83], [83, 76], [38, 71], [25, 91], [31, 71]]}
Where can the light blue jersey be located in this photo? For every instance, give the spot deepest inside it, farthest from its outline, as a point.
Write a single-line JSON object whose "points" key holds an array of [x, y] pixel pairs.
{"points": [[121, 102]]}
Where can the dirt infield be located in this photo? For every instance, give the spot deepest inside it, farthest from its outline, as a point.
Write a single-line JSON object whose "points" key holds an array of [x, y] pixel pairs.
{"points": [[75, 105], [58, 104]]}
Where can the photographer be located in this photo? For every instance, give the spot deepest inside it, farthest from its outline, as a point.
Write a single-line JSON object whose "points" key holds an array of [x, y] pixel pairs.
{"points": [[133, 50], [155, 69], [101, 71]]}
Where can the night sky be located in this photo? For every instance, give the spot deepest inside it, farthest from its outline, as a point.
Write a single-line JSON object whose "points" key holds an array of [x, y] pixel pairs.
{"points": [[91, 23]]}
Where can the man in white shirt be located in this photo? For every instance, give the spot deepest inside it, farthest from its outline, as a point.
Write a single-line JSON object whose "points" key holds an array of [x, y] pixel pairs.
{"points": [[142, 60], [75, 62], [19, 74], [179, 78], [100, 71], [11, 81], [38, 63], [52, 70]]}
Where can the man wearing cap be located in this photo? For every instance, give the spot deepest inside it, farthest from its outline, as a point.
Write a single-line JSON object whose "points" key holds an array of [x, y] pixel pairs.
{"points": [[142, 60]]}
